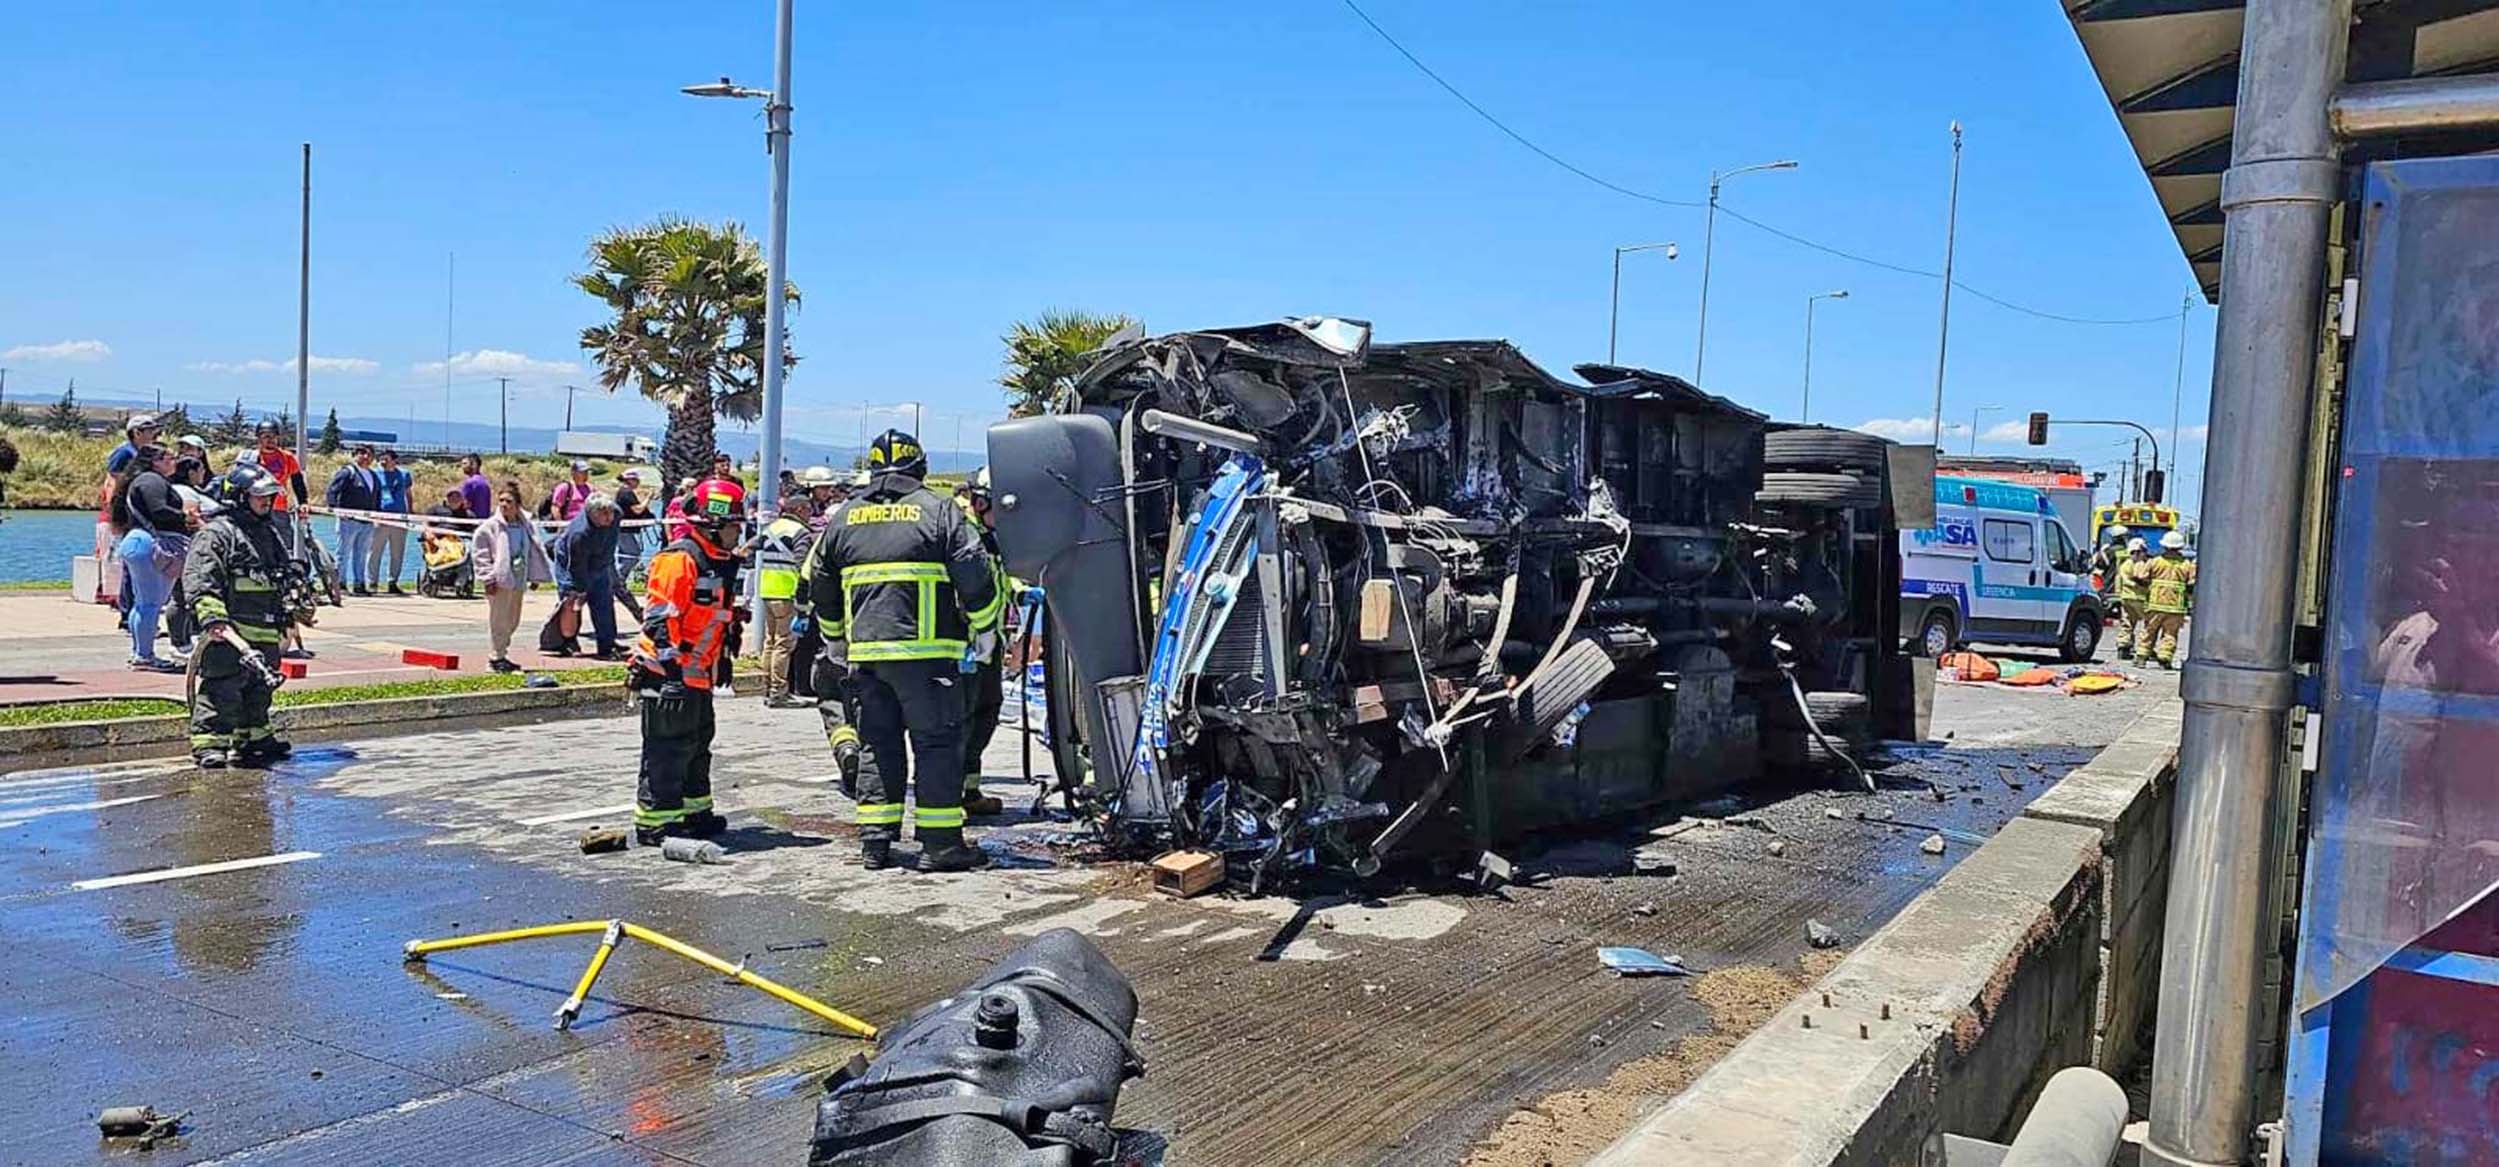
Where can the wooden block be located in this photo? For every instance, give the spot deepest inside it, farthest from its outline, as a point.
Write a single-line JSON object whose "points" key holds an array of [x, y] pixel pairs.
{"points": [[439, 660], [292, 670], [1376, 596], [1186, 873]]}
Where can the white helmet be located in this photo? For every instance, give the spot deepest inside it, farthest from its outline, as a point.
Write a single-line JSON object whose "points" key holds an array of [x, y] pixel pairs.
{"points": [[2136, 544], [816, 476], [2118, 531], [2174, 541]]}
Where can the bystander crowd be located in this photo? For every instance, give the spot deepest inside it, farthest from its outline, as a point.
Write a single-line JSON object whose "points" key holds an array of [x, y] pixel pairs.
{"points": [[153, 533]]}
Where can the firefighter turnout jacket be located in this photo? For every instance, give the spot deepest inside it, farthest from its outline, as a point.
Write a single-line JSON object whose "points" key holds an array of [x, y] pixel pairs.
{"points": [[237, 572], [687, 615], [2170, 583], [900, 574]]}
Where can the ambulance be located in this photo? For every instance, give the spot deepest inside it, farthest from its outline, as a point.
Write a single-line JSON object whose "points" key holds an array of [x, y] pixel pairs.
{"points": [[1998, 567]]}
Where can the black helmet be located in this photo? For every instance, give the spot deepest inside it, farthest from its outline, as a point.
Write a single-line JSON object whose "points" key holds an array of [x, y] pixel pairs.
{"points": [[895, 452]]}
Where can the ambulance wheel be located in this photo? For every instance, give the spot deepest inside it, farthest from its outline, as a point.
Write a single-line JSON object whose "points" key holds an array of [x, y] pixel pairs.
{"points": [[2081, 639], [1937, 634]]}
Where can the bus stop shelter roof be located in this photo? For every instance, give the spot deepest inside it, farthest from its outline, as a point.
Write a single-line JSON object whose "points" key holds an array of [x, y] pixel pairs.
{"points": [[2171, 71]]}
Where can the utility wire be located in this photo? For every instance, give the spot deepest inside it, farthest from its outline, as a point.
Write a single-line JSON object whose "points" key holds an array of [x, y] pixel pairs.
{"points": [[1723, 209]]}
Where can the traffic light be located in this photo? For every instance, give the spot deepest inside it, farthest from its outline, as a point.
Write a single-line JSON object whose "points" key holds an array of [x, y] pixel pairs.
{"points": [[2039, 428], [2153, 481]]}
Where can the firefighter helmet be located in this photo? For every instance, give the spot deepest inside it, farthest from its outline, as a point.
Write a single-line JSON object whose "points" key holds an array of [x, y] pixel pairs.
{"points": [[895, 452]]}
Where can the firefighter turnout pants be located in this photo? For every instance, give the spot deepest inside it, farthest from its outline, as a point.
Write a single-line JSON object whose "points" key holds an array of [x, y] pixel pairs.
{"points": [[837, 705], [980, 720], [676, 758], [231, 711], [2159, 636], [2129, 625], [922, 701]]}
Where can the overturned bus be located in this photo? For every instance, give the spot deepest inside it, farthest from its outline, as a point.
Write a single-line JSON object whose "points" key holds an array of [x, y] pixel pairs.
{"points": [[1314, 602]]}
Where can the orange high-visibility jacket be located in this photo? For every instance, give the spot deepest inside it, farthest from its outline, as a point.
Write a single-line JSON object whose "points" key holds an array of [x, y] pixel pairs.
{"points": [[686, 615]]}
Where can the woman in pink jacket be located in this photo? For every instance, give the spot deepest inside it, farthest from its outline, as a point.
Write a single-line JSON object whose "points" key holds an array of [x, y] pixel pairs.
{"points": [[509, 560]]}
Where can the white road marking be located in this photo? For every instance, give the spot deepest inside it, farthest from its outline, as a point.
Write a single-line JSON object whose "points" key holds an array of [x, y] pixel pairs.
{"points": [[165, 873], [29, 814], [97, 775], [575, 815]]}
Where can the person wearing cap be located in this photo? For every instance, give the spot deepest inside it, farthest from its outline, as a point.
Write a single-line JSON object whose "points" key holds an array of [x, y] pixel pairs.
{"points": [[142, 429], [906, 595], [192, 446], [236, 579], [390, 536], [564, 505], [2132, 594]]}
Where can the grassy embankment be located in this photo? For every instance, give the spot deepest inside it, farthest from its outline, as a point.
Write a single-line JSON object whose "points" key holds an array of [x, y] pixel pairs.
{"points": [[61, 471], [119, 708]]}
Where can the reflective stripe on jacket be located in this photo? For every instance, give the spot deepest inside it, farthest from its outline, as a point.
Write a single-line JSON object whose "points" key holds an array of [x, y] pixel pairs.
{"points": [[2170, 580], [687, 614], [901, 575], [776, 559], [2132, 584], [236, 572]]}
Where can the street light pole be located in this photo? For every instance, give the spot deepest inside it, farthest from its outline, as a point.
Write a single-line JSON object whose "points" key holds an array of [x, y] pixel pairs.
{"points": [[1943, 330], [1805, 410], [776, 255], [1974, 423], [503, 423], [1709, 243], [1614, 314]]}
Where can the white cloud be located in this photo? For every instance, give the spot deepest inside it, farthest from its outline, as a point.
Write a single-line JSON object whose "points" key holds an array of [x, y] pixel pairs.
{"points": [[320, 364], [1908, 429], [2006, 431], [2194, 433], [495, 362], [83, 351]]}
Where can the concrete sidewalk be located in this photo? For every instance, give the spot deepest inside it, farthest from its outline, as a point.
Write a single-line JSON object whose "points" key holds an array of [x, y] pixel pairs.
{"points": [[52, 648]]}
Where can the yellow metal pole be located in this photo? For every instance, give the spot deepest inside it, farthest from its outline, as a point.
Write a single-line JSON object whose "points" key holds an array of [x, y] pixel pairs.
{"points": [[571, 1008], [419, 949], [753, 980]]}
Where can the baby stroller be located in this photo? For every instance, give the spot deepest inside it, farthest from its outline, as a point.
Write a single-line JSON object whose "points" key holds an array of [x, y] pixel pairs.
{"points": [[449, 573]]}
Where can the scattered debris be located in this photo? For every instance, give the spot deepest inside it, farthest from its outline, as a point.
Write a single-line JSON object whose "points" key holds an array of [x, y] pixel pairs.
{"points": [[1776, 847], [1652, 863], [139, 1122], [797, 945], [1934, 845], [1832, 812], [1597, 1040], [1644, 908], [1640, 962], [872, 960], [692, 851], [452, 995], [1955, 834], [1821, 935], [1182, 874], [600, 840]]}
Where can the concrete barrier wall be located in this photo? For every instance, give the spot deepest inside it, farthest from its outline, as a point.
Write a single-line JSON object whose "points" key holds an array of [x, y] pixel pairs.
{"points": [[391, 715], [2039, 951]]}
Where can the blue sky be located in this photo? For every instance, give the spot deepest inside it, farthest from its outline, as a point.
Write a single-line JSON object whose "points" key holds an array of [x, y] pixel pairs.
{"points": [[960, 165]]}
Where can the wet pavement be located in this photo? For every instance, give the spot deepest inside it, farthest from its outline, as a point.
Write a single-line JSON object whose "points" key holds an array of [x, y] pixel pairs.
{"points": [[270, 1002]]}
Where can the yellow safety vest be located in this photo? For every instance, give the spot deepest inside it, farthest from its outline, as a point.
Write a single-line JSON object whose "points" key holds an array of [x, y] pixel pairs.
{"points": [[2171, 581], [776, 559], [2132, 584]]}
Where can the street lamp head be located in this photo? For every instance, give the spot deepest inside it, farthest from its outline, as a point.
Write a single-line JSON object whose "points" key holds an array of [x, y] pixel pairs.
{"points": [[1782, 164], [721, 88], [1841, 294], [1673, 252]]}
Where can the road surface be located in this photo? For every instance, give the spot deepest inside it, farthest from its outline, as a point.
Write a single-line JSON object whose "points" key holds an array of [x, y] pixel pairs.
{"points": [[228, 945]]}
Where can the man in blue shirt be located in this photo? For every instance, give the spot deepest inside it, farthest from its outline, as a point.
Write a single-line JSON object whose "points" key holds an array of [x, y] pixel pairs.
{"points": [[390, 537]]}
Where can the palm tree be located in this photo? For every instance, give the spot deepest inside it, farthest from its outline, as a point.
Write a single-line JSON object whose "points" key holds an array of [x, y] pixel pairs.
{"points": [[1045, 354], [688, 327]]}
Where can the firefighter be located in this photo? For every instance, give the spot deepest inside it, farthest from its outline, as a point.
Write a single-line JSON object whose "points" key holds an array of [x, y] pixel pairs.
{"points": [[2132, 591], [837, 699], [2169, 594], [237, 581], [686, 622], [2110, 557], [982, 702], [779, 549], [904, 595]]}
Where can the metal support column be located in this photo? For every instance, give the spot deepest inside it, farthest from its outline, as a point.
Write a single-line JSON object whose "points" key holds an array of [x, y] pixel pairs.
{"points": [[2277, 195]]}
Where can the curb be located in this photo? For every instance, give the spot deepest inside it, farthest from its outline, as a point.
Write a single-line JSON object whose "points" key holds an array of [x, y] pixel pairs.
{"points": [[412, 712], [2038, 952]]}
